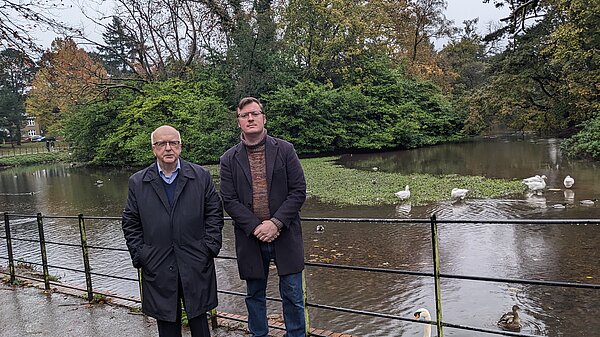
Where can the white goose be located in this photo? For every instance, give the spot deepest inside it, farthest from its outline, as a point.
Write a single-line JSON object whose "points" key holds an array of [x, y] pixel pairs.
{"points": [[403, 195], [536, 184], [568, 182], [459, 193], [535, 178], [423, 313]]}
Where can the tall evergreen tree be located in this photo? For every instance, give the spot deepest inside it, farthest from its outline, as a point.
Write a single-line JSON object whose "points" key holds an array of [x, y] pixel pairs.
{"points": [[118, 51], [16, 73]]}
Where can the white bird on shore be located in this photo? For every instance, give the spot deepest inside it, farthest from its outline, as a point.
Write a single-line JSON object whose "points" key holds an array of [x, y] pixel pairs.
{"points": [[459, 193], [568, 182], [535, 178], [536, 184], [423, 313], [403, 195]]}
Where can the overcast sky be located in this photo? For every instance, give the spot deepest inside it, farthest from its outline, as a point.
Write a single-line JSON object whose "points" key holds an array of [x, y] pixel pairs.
{"points": [[458, 11]]}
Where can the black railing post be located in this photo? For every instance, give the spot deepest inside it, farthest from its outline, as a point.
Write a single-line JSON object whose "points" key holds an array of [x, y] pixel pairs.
{"points": [[212, 316], [140, 283], [40, 223], [11, 261], [305, 297], [86, 259], [436, 272]]}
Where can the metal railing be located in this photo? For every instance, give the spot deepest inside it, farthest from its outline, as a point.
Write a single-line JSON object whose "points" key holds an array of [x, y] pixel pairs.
{"points": [[433, 222], [24, 150]]}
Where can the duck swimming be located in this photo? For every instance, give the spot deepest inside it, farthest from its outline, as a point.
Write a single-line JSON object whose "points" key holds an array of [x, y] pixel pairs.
{"points": [[511, 321], [588, 202]]}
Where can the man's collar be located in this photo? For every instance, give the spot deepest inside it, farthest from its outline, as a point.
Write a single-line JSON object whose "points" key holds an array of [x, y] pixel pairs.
{"points": [[162, 172]]}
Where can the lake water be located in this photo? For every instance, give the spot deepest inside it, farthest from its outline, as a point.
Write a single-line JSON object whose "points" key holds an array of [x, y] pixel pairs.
{"points": [[548, 252]]}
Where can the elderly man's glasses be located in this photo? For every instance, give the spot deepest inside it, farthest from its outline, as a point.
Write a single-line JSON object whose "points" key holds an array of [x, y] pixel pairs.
{"points": [[163, 144], [244, 115]]}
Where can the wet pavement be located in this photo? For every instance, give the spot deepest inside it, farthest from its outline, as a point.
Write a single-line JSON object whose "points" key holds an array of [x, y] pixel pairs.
{"points": [[29, 311]]}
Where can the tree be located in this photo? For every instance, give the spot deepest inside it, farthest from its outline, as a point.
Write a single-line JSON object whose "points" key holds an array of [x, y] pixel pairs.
{"points": [[118, 52], [16, 73], [11, 113], [19, 18], [547, 78], [167, 37], [67, 77], [207, 126]]}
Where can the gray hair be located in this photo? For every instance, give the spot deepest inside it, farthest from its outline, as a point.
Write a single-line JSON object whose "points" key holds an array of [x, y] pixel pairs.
{"points": [[163, 126]]}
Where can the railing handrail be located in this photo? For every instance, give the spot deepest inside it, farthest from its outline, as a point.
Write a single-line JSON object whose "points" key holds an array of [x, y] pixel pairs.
{"points": [[433, 221]]}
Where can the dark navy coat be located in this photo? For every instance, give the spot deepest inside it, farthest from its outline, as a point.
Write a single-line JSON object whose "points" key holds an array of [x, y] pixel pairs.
{"points": [[166, 242], [287, 193]]}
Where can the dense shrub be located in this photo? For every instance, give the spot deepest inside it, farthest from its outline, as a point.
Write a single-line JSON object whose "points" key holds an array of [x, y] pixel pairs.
{"points": [[396, 114], [586, 143], [122, 135]]}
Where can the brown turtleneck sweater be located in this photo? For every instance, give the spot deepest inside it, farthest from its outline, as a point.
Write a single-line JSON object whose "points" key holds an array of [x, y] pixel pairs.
{"points": [[258, 171]]}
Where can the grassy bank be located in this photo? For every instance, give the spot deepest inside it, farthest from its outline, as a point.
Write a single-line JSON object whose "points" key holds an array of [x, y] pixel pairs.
{"points": [[342, 186], [33, 159], [338, 185]]}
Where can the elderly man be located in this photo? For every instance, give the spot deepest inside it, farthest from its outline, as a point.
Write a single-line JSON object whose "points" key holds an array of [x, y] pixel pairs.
{"points": [[172, 223], [263, 189]]}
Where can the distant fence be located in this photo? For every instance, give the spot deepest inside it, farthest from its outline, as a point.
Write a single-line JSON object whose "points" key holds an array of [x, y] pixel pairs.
{"points": [[23, 150], [433, 223]]}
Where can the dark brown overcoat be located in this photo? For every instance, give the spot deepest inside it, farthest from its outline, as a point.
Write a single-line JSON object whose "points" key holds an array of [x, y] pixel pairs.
{"points": [[287, 193]]}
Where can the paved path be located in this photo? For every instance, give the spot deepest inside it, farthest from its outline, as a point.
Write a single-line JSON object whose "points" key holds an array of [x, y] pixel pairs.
{"points": [[28, 311]]}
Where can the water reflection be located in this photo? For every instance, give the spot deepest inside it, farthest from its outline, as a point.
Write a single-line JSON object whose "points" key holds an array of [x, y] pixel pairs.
{"points": [[550, 252]]}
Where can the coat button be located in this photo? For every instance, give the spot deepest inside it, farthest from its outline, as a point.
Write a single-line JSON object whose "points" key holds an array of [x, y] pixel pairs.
{"points": [[171, 268]]}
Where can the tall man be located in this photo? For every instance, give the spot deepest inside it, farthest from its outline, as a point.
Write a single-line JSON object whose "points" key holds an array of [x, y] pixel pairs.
{"points": [[263, 189], [172, 223]]}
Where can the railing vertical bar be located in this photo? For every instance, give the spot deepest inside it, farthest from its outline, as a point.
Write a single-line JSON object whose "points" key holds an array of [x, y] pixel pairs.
{"points": [[139, 272], [86, 259], [212, 314], [436, 272], [304, 299], [40, 223], [11, 261]]}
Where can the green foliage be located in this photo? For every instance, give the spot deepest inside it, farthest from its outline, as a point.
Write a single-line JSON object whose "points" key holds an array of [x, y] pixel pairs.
{"points": [[119, 49], [547, 79], [586, 143], [85, 128], [31, 159], [16, 73], [332, 183], [393, 113], [206, 125], [11, 114]]}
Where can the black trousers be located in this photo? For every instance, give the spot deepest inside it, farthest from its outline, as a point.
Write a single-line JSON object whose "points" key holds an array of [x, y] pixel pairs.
{"points": [[198, 325]]}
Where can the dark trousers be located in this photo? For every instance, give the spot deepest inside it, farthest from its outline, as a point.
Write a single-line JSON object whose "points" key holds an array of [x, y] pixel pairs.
{"points": [[198, 325]]}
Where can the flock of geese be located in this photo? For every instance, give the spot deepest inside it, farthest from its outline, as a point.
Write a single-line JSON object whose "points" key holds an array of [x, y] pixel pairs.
{"points": [[456, 193], [509, 321], [535, 184]]}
